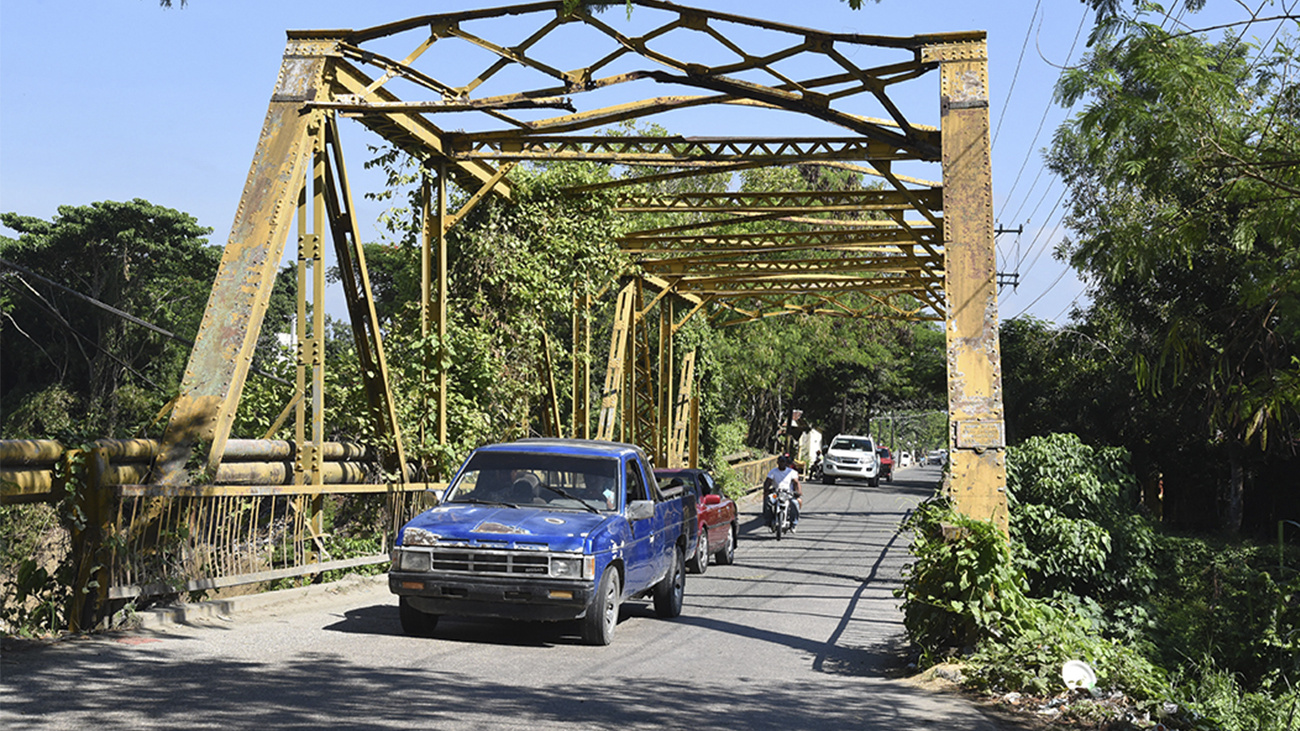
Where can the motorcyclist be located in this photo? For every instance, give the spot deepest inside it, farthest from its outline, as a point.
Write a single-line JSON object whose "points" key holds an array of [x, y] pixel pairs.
{"points": [[815, 471], [783, 475]]}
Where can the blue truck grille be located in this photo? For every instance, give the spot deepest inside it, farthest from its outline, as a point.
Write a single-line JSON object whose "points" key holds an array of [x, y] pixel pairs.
{"points": [[464, 561]]}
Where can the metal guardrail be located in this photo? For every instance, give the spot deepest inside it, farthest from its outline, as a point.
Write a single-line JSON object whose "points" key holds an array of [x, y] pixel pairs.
{"points": [[251, 525], [753, 472]]}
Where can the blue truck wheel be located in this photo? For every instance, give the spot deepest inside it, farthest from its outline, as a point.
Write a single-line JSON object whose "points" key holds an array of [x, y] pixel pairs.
{"points": [[672, 589], [414, 622], [602, 616]]}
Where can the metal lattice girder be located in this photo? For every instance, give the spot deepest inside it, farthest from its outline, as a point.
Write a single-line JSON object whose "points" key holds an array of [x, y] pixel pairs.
{"points": [[410, 131], [815, 96], [702, 269], [624, 312], [672, 150], [772, 242], [679, 444], [916, 250], [801, 202]]}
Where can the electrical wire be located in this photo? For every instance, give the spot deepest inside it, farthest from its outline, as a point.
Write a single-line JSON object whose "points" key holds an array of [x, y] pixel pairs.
{"points": [[1016, 74], [1046, 192], [1050, 287], [1047, 108], [1175, 21], [1050, 236], [119, 313]]}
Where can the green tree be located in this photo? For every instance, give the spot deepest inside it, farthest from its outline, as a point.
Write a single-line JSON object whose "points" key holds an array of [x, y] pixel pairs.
{"points": [[66, 361], [1184, 178]]}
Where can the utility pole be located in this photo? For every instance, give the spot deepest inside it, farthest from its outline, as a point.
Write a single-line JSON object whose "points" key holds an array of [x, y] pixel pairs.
{"points": [[1012, 278]]}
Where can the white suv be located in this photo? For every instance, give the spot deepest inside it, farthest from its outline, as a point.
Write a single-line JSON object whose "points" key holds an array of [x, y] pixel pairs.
{"points": [[853, 458]]}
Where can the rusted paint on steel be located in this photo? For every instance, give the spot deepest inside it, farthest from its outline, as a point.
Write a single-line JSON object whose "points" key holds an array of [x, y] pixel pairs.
{"points": [[284, 473], [216, 491], [244, 450], [977, 438], [15, 452], [223, 348]]}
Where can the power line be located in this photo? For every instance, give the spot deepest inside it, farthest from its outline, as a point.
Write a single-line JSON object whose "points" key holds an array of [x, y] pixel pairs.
{"points": [[119, 313], [1047, 108], [1044, 293], [1039, 255], [1016, 74]]}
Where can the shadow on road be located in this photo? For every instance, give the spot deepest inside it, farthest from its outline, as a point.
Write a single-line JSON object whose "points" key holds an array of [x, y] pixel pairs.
{"points": [[322, 688]]}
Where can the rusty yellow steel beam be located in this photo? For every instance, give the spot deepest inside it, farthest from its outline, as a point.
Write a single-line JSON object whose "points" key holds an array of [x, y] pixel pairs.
{"points": [[702, 229], [579, 14], [615, 378], [882, 238], [786, 201], [679, 446], [223, 349], [846, 260], [410, 131], [673, 149], [761, 272], [977, 435], [435, 107], [700, 272], [741, 288], [358, 295], [311, 312]]}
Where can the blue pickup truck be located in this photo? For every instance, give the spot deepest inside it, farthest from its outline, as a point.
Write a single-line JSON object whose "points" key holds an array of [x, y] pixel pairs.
{"points": [[544, 529]]}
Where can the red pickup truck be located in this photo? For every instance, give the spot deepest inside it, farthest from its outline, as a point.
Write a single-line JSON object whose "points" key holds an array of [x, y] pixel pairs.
{"points": [[886, 464], [715, 524]]}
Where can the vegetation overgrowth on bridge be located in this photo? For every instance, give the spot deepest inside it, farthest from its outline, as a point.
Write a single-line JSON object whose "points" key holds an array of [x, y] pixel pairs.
{"points": [[1191, 631], [1170, 565], [1184, 182]]}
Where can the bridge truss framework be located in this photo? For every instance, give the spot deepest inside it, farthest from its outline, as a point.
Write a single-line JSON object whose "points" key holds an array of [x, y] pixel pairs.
{"points": [[908, 249], [913, 249]]}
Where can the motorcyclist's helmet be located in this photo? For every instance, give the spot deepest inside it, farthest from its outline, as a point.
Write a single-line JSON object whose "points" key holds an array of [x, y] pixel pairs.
{"points": [[783, 461]]}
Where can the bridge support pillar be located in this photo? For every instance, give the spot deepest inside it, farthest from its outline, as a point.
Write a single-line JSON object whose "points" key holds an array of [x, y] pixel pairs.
{"points": [[976, 437]]}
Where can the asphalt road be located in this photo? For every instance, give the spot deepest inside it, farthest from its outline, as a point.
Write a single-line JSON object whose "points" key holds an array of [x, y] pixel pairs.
{"points": [[803, 633]]}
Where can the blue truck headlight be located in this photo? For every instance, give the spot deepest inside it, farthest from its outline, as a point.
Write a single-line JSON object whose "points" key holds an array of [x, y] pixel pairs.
{"points": [[413, 561], [566, 568]]}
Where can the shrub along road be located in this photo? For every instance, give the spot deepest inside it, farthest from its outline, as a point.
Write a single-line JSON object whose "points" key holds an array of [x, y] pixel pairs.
{"points": [[800, 633]]}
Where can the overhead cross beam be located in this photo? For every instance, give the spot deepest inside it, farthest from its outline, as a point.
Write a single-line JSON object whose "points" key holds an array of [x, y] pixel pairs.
{"points": [[880, 241]]}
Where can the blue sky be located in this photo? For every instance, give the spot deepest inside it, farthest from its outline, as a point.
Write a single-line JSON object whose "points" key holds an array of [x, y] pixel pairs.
{"points": [[121, 99]]}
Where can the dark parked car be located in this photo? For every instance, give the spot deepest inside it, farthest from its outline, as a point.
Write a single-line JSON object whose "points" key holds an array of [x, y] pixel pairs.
{"points": [[715, 517]]}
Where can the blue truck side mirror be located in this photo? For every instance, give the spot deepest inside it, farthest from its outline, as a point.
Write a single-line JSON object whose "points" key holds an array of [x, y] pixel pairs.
{"points": [[640, 510]]}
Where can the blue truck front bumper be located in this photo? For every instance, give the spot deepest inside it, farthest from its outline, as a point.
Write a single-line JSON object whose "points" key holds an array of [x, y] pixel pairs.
{"points": [[482, 596]]}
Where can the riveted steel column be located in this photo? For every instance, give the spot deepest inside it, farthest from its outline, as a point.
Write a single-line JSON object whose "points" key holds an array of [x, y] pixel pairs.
{"points": [[223, 348], [581, 425], [426, 282], [440, 307], [311, 306], [682, 426], [664, 428], [433, 290], [976, 431], [615, 378]]}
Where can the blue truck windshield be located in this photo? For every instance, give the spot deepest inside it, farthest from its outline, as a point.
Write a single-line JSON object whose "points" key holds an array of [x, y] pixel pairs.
{"points": [[553, 481]]}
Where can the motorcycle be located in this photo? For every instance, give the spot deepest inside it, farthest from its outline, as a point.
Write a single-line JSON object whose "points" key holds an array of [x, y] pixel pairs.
{"points": [[815, 472], [779, 502]]}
